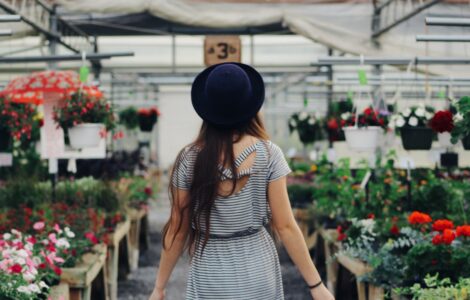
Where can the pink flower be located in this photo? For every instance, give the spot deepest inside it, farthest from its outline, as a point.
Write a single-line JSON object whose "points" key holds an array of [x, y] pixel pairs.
{"points": [[57, 228], [39, 226], [53, 238]]}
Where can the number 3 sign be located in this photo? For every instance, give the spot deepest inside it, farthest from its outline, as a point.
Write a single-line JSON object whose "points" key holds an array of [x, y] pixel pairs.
{"points": [[224, 48]]}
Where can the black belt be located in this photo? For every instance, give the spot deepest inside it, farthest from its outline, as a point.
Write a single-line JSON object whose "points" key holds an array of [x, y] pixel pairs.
{"points": [[243, 233]]}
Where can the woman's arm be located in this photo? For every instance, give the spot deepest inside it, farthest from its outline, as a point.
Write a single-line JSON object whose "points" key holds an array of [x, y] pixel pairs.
{"points": [[175, 242], [292, 238]]}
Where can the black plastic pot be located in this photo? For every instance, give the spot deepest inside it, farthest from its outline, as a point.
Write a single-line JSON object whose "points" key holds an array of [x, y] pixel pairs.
{"points": [[417, 138], [466, 142], [5, 140], [146, 124], [449, 160]]}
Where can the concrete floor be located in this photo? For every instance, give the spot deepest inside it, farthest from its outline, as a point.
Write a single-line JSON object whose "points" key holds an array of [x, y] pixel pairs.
{"points": [[140, 283]]}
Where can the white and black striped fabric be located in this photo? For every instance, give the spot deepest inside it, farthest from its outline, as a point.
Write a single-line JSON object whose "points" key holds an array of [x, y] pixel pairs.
{"points": [[240, 260]]}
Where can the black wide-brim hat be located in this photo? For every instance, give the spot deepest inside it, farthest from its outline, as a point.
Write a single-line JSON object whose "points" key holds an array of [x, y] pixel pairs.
{"points": [[228, 95]]}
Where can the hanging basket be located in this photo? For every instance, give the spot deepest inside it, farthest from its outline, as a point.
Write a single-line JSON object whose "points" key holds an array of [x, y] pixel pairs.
{"points": [[363, 138], [5, 139], [444, 139], [466, 142], [86, 135], [416, 138], [449, 160], [145, 125]]}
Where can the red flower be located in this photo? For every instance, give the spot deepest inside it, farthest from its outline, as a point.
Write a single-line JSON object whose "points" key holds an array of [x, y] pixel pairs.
{"points": [[441, 225], [371, 216], [148, 191], [42, 266], [437, 239], [91, 237], [57, 270], [417, 217], [448, 236], [368, 111], [395, 230], [463, 230], [442, 121], [16, 269], [341, 235], [333, 124]]}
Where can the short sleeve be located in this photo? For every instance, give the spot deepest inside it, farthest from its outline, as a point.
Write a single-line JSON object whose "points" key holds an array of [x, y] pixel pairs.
{"points": [[180, 178], [278, 166]]}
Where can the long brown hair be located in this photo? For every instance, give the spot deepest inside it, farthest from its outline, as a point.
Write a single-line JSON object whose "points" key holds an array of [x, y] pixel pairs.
{"points": [[212, 144]]}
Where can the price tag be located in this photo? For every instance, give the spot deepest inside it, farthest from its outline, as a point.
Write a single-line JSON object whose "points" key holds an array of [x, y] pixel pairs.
{"points": [[362, 77], [442, 94], [6, 160], [366, 179], [84, 72], [220, 49]]}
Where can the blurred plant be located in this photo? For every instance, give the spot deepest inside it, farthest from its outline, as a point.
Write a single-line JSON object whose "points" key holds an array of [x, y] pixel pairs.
{"points": [[308, 126], [369, 117], [437, 288], [461, 120], [442, 121], [148, 118], [129, 118], [415, 116]]}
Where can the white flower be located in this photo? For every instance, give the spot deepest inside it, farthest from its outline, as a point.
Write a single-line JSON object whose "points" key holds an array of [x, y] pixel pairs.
{"points": [[293, 123], [16, 232], [407, 112], [69, 233], [345, 115], [20, 261], [311, 121], [413, 121], [43, 285], [37, 260], [34, 288], [303, 116], [62, 243], [7, 236], [420, 112], [429, 115], [28, 276], [400, 122], [23, 289], [458, 117], [22, 253]]}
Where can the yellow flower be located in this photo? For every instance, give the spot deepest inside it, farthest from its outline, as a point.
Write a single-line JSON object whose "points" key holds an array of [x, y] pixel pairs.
{"points": [[313, 168], [38, 116]]}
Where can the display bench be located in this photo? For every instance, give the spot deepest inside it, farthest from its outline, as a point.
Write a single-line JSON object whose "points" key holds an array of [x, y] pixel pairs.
{"points": [[88, 277], [306, 223], [138, 227], [59, 292], [118, 256], [330, 247]]}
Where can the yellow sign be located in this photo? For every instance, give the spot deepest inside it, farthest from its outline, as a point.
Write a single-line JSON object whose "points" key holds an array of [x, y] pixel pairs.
{"points": [[223, 48]]}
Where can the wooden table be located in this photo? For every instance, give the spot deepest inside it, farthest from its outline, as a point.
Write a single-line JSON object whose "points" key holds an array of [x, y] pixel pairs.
{"points": [[136, 217], [88, 272], [305, 223]]}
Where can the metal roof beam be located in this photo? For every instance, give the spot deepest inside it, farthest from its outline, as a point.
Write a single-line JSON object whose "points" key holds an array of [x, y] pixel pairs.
{"points": [[55, 58], [440, 21], [353, 61], [9, 18], [443, 38]]}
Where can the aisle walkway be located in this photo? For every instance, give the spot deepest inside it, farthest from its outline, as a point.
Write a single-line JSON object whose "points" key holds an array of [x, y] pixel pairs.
{"points": [[140, 283]]}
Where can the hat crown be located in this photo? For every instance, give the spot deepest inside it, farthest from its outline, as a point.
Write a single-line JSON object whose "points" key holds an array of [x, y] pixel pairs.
{"points": [[228, 88]]}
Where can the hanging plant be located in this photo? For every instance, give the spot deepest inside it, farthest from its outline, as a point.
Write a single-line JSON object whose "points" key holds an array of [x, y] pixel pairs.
{"points": [[309, 128], [443, 123], [17, 122], [148, 117], [85, 119], [129, 118], [461, 130], [413, 126], [369, 117]]}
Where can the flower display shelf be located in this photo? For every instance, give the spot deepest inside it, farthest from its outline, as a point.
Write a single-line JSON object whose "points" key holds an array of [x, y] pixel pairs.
{"points": [[358, 268], [136, 217], [330, 237], [59, 292], [304, 221], [117, 240], [89, 272]]}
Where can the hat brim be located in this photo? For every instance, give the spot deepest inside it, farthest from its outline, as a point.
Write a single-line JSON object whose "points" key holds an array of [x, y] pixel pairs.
{"points": [[256, 102]]}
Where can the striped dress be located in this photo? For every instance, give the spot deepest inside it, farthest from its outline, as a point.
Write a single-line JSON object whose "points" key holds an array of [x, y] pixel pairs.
{"points": [[240, 260]]}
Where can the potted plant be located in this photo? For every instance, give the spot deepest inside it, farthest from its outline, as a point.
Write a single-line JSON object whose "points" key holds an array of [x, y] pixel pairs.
{"points": [[363, 131], [129, 118], [17, 122], [148, 118], [85, 119], [462, 123], [442, 123], [333, 125], [309, 128], [412, 124]]}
